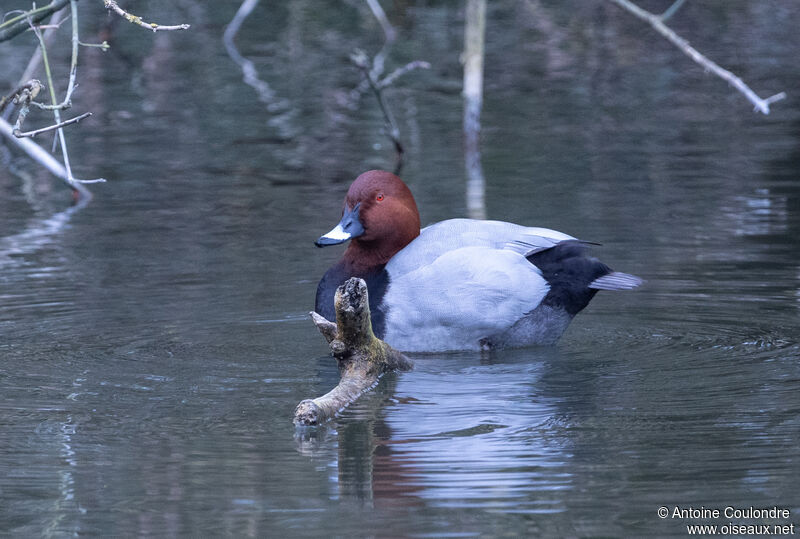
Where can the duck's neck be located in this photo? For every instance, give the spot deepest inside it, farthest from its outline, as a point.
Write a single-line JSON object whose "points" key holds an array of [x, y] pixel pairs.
{"points": [[361, 259], [367, 255]]}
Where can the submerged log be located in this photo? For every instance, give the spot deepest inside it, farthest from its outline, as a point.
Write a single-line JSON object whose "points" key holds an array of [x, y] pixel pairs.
{"points": [[362, 357]]}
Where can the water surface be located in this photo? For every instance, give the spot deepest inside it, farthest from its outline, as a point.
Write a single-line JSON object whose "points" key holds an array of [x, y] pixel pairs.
{"points": [[155, 343]]}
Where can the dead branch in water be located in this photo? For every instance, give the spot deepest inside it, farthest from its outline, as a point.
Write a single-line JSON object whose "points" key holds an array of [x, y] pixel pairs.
{"points": [[362, 357], [657, 22]]}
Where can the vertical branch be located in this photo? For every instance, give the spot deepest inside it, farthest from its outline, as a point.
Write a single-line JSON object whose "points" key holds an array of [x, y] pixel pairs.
{"points": [[36, 59], [474, 31], [73, 64], [360, 60], [72, 182], [76, 187]]}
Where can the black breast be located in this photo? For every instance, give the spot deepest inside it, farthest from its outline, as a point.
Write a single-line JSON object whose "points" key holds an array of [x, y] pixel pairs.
{"points": [[377, 282]]}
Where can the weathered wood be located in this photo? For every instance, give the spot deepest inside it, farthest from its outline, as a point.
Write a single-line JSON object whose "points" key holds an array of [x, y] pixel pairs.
{"points": [[362, 357]]}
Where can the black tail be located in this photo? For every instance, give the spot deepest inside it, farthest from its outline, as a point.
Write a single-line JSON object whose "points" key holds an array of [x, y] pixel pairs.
{"points": [[574, 277]]}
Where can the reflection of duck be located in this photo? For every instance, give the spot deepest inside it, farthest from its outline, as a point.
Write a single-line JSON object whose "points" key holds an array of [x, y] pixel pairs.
{"points": [[460, 283]]}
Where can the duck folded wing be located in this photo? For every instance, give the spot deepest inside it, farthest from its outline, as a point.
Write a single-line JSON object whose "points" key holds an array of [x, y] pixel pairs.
{"points": [[445, 236], [462, 296]]}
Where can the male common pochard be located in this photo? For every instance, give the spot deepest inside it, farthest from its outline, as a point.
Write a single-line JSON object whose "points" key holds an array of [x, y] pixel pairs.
{"points": [[459, 284]]}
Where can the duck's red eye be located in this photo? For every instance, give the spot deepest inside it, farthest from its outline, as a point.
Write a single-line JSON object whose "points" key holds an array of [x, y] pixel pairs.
{"points": [[379, 198]]}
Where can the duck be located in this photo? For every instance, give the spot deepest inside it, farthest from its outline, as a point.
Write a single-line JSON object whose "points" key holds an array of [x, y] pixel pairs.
{"points": [[459, 284]]}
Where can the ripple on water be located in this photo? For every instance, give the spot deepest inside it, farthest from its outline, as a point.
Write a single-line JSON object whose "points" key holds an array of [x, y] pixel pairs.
{"points": [[517, 431], [441, 436]]}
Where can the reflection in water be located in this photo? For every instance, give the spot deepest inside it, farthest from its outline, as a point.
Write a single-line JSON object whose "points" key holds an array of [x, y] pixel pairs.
{"points": [[474, 37], [157, 299], [759, 214], [38, 234], [435, 436], [262, 88], [368, 468]]}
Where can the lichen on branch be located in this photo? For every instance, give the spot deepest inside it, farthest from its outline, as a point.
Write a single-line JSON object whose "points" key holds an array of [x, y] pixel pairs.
{"points": [[362, 357]]}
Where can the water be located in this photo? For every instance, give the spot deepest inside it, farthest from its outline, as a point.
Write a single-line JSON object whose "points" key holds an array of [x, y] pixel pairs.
{"points": [[155, 343]]}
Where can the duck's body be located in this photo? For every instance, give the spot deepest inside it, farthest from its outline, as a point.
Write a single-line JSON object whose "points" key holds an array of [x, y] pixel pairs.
{"points": [[461, 283]]}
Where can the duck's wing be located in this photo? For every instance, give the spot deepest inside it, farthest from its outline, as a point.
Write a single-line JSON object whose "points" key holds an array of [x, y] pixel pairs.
{"points": [[462, 296], [439, 238]]}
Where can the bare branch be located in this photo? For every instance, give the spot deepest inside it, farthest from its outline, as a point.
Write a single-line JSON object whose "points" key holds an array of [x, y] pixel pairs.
{"points": [[41, 156], [135, 19], [34, 151], [672, 10], [761, 105], [76, 119], [389, 79], [361, 61], [16, 25], [74, 183], [383, 20], [36, 59]]}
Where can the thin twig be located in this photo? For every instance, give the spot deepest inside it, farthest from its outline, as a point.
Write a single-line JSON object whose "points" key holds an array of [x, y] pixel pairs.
{"points": [[54, 101], [73, 66], [135, 19], [35, 132], [74, 183], [761, 105], [36, 58], [104, 46], [17, 25], [360, 59], [34, 151], [378, 60], [671, 10], [389, 79]]}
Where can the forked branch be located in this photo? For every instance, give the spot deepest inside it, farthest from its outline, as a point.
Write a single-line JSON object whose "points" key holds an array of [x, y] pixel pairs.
{"points": [[362, 357]]}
